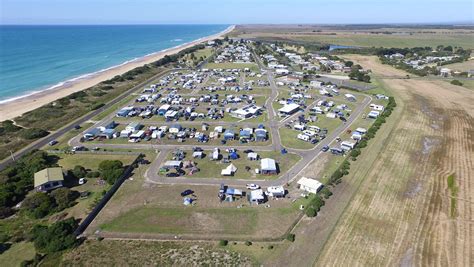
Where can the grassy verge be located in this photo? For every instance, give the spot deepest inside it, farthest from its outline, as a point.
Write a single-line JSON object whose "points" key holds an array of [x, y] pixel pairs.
{"points": [[453, 189]]}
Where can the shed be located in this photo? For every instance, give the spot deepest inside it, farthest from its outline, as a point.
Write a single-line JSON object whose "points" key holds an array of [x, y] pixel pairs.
{"points": [[252, 156], [268, 166], [289, 109]]}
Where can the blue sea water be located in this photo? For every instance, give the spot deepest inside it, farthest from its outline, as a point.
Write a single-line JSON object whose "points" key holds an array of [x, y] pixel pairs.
{"points": [[34, 58]]}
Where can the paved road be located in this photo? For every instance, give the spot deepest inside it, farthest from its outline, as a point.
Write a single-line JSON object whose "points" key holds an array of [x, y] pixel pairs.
{"points": [[56, 134]]}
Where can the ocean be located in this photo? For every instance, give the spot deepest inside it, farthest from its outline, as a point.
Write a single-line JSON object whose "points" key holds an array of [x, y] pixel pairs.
{"points": [[35, 58]]}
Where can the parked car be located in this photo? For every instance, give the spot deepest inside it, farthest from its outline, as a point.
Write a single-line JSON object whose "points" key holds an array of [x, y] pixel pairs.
{"points": [[172, 174], [325, 148], [314, 141], [52, 142], [187, 192], [253, 186]]}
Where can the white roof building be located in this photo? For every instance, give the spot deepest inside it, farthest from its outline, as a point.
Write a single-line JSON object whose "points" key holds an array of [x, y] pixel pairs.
{"points": [[309, 185], [289, 108]]}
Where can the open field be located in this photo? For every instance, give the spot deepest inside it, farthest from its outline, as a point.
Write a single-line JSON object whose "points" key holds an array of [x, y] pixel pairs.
{"points": [[402, 214], [462, 66], [140, 253], [399, 37]]}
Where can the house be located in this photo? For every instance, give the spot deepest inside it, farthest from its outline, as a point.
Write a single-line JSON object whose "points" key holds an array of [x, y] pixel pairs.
{"points": [[268, 166], [276, 191], [229, 171], [309, 185], [373, 114], [49, 179], [257, 196], [289, 109], [261, 135]]}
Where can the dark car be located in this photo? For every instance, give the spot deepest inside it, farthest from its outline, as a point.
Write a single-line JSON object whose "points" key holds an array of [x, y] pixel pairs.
{"points": [[187, 192], [325, 148], [248, 151], [314, 141], [172, 174], [197, 149]]}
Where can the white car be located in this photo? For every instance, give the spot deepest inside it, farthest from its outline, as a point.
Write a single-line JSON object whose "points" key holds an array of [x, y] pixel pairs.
{"points": [[82, 181], [253, 186]]}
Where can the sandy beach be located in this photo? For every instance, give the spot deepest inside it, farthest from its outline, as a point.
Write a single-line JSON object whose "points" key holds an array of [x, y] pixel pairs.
{"points": [[17, 107]]}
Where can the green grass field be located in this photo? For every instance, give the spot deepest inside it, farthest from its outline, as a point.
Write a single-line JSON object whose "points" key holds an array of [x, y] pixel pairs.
{"points": [[212, 169], [17, 253], [252, 66], [184, 220], [91, 161]]}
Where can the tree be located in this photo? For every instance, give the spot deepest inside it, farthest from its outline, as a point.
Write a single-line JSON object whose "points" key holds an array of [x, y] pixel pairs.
{"points": [[111, 170], [64, 197], [57, 237], [290, 237], [38, 205], [349, 64], [33, 133], [79, 171]]}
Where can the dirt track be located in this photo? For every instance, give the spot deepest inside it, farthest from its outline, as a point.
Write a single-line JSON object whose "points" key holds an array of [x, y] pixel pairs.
{"points": [[402, 214]]}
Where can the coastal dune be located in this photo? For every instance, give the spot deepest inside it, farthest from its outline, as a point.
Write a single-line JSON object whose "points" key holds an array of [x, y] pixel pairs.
{"points": [[21, 105]]}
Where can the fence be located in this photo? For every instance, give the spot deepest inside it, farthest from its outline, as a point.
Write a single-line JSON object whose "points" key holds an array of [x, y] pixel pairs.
{"points": [[85, 223]]}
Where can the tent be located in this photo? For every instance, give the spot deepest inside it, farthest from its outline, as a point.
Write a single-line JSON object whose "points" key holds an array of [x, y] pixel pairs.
{"points": [[229, 171], [233, 155]]}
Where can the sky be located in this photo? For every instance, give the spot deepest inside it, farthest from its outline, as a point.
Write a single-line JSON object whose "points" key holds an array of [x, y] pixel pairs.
{"points": [[235, 11]]}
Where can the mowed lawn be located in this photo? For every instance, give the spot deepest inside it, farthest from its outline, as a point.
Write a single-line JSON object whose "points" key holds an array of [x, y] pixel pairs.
{"points": [[212, 169], [91, 161], [252, 66], [185, 220], [17, 253]]}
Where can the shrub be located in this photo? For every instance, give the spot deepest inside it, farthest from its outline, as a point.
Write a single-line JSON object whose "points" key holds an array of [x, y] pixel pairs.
{"points": [[270, 247], [290, 237], [38, 205], [325, 192], [456, 82], [33, 133], [223, 243], [57, 237], [64, 197], [248, 243], [79, 171], [97, 106], [93, 174], [311, 212]]}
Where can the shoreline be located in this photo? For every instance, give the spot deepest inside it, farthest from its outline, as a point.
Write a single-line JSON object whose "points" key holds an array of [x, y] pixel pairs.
{"points": [[17, 106]]}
